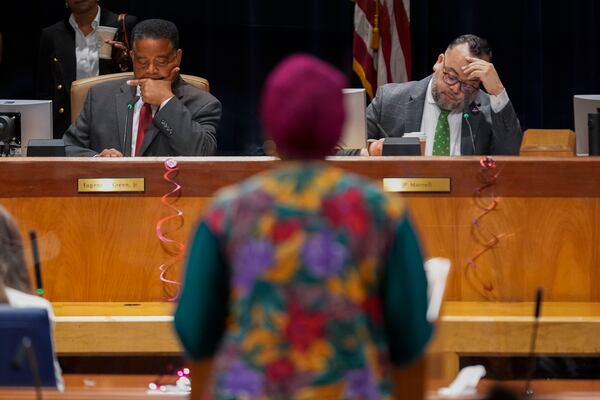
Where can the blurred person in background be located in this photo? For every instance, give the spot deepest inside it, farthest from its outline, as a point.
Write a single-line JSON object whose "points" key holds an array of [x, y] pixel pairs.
{"points": [[15, 285], [69, 51]]}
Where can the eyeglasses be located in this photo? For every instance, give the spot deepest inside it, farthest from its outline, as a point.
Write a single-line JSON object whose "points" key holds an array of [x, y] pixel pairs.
{"points": [[452, 80], [159, 62]]}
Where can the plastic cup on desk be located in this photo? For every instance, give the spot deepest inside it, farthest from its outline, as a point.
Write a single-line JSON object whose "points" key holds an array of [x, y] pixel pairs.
{"points": [[422, 139], [104, 34]]}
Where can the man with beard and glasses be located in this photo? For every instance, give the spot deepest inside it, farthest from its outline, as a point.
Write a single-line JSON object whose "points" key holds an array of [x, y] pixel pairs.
{"points": [[155, 114], [450, 107]]}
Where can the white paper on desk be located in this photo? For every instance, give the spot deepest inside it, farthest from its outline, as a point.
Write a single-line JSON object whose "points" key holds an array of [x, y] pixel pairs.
{"points": [[436, 270], [465, 383], [171, 390]]}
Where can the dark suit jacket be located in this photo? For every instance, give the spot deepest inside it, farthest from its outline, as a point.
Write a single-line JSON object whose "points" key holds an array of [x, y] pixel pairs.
{"points": [[185, 126], [57, 68], [398, 109]]}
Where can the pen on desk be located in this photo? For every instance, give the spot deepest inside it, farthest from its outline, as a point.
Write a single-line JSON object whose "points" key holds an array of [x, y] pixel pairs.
{"points": [[36, 263]]}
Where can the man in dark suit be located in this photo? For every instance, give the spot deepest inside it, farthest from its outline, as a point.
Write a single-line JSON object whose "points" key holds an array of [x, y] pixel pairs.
{"points": [[155, 114], [449, 107], [68, 51]]}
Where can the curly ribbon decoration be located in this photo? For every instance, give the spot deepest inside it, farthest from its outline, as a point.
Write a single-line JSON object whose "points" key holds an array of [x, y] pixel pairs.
{"points": [[171, 170], [487, 176]]}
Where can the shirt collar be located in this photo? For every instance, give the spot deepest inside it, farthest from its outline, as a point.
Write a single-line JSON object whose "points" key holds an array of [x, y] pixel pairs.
{"points": [[95, 21], [429, 95]]}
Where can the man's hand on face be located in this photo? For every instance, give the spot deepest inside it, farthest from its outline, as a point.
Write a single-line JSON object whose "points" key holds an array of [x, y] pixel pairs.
{"points": [[486, 73], [109, 153], [155, 91]]}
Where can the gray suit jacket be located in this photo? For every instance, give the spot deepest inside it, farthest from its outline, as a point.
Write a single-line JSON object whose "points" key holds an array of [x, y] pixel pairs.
{"points": [[185, 126], [398, 109]]}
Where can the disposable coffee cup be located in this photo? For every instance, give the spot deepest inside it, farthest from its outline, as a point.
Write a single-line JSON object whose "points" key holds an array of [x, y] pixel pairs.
{"points": [[103, 34], [422, 139]]}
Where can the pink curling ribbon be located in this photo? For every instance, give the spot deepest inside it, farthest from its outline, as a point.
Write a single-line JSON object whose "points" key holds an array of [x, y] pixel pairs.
{"points": [[487, 175], [173, 247]]}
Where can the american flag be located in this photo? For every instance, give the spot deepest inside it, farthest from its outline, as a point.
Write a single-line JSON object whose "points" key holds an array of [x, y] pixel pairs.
{"points": [[381, 42]]}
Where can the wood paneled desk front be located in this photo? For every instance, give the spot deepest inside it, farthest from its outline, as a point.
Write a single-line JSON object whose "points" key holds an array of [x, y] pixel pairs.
{"points": [[103, 247], [542, 229]]}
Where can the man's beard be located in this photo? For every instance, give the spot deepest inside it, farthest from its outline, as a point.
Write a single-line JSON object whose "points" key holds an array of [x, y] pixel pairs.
{"points": [[449, 105]]}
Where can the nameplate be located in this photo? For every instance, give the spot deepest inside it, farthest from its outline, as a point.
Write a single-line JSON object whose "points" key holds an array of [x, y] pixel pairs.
{"points": [[408, 185], [110, 185]]}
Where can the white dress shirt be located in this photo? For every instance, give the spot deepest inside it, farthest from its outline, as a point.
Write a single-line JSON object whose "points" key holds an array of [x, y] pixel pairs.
{"points": [[86, 49], [431, 112]]}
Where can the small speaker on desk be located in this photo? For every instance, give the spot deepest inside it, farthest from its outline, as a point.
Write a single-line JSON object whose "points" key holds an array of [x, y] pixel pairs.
{"points": [[46, 148], [401, 146], [594, 133]]}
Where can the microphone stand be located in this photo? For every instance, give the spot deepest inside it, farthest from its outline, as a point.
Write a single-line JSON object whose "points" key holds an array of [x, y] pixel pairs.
{"points": [[26, 348], [36, 263], [539, 294], [466, 116]]}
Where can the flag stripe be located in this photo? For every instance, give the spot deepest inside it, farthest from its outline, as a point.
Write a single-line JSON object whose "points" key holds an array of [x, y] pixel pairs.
{"points": [[363, 65], [397, 61], [403, 29], [386, 43], [390, 61], [368, 9]]}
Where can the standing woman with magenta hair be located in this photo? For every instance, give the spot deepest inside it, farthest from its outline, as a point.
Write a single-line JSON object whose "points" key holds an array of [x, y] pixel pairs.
{"points": [[304, 281]]}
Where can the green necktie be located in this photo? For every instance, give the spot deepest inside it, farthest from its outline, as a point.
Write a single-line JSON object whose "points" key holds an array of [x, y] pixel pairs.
{"points": [[441, 140]]}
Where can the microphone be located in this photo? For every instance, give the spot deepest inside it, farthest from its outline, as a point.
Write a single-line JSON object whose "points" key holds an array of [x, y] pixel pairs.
{"points": [[382, 132], [39, 288], [26, 349], [466, 116], [539, 294], [129, 107]]}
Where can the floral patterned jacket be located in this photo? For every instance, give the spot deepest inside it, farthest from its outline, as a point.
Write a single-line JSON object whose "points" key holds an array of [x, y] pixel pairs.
{"points": [[304, 282]]}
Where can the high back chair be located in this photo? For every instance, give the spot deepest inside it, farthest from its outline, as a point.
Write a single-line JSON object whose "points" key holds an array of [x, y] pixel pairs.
{"points": [[80, 88]]}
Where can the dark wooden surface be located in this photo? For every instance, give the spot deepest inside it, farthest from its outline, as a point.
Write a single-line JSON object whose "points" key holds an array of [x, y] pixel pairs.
{"points": [[124, 387], [104, 247], [518, 176], [84, 387]]}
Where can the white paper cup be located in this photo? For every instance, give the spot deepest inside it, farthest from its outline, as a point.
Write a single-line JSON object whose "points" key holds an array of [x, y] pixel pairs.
{"points": [[105, 33]]}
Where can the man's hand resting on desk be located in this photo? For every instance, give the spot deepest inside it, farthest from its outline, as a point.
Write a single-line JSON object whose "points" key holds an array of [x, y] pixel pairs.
{"points": [[109, 153], [375, 148]]}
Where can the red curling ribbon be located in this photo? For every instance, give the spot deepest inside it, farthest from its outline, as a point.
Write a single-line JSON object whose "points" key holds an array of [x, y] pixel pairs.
{"points": [[173, 247], [487, 176]]}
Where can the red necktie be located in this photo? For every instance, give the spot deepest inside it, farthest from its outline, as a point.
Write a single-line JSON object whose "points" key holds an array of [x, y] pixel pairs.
{"points": [[144, 122]]}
